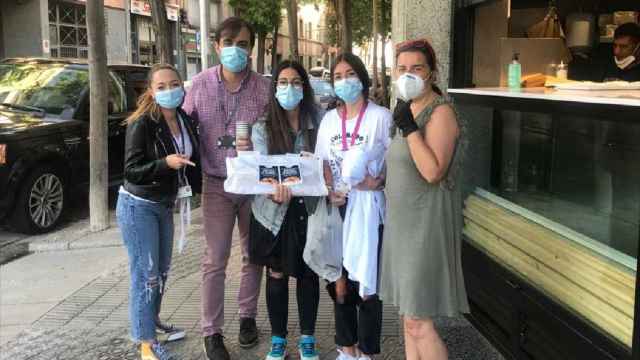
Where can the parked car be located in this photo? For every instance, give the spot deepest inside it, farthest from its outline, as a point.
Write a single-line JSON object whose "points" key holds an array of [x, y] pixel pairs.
{"points": [[323, 91], [44, 135], [320, 72]]}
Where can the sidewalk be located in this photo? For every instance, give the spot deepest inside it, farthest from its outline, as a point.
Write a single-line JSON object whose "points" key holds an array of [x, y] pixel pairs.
{"points": [[92, 323]]}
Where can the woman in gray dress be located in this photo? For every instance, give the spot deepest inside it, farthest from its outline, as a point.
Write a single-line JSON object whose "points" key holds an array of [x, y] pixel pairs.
{"points": [[420, 268]]}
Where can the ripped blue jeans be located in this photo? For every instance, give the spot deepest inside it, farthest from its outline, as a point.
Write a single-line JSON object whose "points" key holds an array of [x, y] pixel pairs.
{"points": [[147, 231]]}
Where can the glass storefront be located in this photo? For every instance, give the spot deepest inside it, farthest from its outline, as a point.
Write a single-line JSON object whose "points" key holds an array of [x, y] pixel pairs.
{"points": [[554, 197]]}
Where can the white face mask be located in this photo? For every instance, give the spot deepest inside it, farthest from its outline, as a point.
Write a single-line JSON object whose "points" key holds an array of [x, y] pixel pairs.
{"points": [[409, 86], [622, 64]]}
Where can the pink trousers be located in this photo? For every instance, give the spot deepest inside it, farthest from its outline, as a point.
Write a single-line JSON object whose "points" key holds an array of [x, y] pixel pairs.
{"points": [[220, 210]]}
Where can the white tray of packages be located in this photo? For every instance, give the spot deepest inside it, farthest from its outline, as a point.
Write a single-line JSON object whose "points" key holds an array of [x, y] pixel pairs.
{"points": [[251, 173]]}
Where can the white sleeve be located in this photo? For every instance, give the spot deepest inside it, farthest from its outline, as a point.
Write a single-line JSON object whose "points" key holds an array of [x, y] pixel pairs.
{"points": [[384, 129], [322, 141]]}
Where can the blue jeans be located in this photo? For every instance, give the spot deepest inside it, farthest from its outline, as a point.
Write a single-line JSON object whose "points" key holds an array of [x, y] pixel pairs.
{"points": [[147, 231]]}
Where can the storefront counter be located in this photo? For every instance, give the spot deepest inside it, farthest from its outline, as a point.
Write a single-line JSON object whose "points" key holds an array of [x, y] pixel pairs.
{"points": [[552, 219]]}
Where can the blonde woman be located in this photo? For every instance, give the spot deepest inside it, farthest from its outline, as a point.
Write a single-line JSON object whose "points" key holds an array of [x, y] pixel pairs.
{"points": [[161, 152]]}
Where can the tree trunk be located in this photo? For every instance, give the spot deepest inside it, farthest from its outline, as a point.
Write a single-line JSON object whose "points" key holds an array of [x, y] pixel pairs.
{"points": [[292, 15], [274, 47], [162, 30], [98, 124], [262, 39], [383, 70], [376, 22], [335, 5], [344, 17]]}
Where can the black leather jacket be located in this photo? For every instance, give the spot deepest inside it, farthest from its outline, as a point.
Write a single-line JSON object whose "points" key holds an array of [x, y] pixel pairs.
{"points": [[146, 173]]}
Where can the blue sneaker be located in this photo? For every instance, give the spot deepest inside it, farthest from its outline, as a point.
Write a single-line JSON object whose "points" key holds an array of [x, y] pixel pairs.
{"points": [[307, 348], [154, 351], [278, 348]]}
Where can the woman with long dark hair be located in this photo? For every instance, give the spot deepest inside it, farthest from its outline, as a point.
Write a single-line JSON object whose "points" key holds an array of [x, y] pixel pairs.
{"points": [[278, 229], [421, 270], [161, 152], [352, 140]]}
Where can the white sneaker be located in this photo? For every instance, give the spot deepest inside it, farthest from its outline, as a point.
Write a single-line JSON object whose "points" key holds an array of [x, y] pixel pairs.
{"points": [[344, 356], [168, 332]]}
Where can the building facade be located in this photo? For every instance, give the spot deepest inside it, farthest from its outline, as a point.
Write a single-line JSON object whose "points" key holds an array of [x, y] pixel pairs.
{"points": [[312, 39], [57, 29]]}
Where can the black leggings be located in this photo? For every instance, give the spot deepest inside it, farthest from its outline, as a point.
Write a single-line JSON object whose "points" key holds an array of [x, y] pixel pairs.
{"points": [[308, 296], [358, 321]]}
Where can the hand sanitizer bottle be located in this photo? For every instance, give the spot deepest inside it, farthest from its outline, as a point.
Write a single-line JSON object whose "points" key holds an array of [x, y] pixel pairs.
{"points": [[561, 73], [514, 73]]}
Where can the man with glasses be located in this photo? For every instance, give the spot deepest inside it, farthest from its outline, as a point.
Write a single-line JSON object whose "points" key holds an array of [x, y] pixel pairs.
{"points": [[219, 98]]}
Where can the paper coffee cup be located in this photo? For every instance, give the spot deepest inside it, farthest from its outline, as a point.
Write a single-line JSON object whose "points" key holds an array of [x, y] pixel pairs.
{"points": [[242, 130]]}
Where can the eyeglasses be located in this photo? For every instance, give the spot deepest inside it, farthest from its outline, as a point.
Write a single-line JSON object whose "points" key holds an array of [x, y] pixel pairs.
{"points": [[283, 83]]}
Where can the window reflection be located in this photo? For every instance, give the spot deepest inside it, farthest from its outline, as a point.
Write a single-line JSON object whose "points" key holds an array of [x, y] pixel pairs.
{"points": [[582, 173]]}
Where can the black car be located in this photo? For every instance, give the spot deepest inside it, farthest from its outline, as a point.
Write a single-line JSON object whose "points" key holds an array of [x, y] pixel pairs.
{"points": [[44, 135], [323, 92]]}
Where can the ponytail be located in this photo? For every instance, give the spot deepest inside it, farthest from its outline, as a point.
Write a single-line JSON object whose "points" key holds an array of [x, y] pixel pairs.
{"points": [[146, 105]]}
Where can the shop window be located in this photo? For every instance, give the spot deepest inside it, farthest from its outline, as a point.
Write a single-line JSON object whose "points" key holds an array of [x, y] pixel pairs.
{"points": [[561, 209]]}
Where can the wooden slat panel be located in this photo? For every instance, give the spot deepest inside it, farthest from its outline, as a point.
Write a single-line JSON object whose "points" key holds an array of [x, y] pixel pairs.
{"points": [[568, 252], [592, 286], [583, 274]]}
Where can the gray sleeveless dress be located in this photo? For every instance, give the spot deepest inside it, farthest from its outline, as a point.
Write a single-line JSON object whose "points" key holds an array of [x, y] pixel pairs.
{"points": [[420, 271]]}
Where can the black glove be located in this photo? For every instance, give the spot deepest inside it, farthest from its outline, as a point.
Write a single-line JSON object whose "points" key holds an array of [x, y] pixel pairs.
{"points": [[403, 118]]}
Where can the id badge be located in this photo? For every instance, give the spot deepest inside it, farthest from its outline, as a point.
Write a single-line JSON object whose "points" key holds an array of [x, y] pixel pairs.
{"points": [[184, 192], [226, 142]]}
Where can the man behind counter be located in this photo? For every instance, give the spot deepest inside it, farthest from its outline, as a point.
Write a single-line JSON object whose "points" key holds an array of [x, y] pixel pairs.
{"points": [[625, 63]]}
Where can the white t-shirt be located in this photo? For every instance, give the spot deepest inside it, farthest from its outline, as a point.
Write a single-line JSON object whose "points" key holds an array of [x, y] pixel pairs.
{"points": [[365, 209], [373, 137]]}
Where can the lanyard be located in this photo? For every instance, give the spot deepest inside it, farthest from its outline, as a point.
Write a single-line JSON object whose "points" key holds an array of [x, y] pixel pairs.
{"points": [[185, 222], [182, 173], [234, 109], [179, 149], [354, 134]]}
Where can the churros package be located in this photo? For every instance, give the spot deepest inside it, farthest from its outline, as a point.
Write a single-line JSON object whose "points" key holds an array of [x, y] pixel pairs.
{"points": [[252, 173]]}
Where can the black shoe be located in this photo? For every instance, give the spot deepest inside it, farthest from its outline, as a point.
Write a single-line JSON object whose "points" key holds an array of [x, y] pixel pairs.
{"points": [[214, 348], [248, 336]]}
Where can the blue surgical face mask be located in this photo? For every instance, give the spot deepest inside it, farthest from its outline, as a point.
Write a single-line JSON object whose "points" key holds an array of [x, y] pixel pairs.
{"points": [[169, 99], [289, 97], [234, 58], [348, 89]]}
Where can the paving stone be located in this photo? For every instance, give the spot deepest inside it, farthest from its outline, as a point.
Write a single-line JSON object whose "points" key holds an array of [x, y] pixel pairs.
{"points": [[93, 322]]}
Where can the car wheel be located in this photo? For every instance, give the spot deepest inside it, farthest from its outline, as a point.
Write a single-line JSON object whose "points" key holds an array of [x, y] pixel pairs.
{"points": [[41, 201]]}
